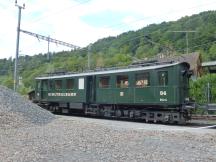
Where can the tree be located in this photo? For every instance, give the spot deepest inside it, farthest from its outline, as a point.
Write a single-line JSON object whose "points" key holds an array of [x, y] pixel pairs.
{"points": [[212, 52]]}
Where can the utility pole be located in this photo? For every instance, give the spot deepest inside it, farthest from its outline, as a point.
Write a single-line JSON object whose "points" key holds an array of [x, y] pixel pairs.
{"points": [[89, 56], [48, 54], [208, 93], [17, 45], [186, 35]]}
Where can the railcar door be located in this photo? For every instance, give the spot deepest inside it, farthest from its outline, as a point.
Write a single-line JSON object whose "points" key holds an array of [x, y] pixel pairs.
{"points": [[184, 86], [44, 89], [164, 93], [91, 89], [38, 90]]}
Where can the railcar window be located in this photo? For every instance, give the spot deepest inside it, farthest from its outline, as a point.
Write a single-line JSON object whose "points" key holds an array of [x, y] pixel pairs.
{"points": [[81, 83], [163, 78], [70, 83], [142, 80], [51, 85], [58, 84], [104, 82], [122, 81], [38, 83]]}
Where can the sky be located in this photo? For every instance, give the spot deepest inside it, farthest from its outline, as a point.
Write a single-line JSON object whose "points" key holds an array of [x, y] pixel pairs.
{"points": [[81, 22]]}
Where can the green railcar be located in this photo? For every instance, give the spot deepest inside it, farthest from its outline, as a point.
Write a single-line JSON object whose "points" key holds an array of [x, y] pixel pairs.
{"points": [[156, 92]]}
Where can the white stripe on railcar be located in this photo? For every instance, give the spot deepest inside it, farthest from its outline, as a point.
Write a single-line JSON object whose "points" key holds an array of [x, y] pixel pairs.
{"points": [[108, 71]]}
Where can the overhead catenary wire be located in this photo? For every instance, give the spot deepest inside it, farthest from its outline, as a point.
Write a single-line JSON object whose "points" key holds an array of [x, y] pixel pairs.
{"points": [[192, 47], [144, 18], [59, 11], [164, 14], [50, 39], [123, 24], [186, 34], [149, 40]]}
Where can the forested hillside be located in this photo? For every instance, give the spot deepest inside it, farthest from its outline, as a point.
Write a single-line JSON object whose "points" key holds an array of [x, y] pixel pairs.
{"points": [[131, 46]]}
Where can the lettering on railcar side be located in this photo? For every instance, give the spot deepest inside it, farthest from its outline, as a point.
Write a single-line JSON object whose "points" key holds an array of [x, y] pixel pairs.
{"points": [[163, 99], [163, 93], [62, 94]]}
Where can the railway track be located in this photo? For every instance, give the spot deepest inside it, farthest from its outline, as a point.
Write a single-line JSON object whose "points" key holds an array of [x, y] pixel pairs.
{"points": [[195, 125], [204, 117], [198, 122]]}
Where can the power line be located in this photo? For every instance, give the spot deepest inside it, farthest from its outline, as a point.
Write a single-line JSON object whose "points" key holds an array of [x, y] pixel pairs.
{"points": [[164, 14], [133, 21], [148, 39], [186, 35], [139, 19], [202, 36], [200, 45], [59, 11], [121, 24]]}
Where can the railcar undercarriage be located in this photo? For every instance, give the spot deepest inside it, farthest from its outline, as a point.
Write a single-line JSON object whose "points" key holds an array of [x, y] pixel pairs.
{"points": [[157, 115], [147, 114]]}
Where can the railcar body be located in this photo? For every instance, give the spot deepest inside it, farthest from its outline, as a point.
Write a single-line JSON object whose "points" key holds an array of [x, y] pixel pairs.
{"points": [[154, 92]]}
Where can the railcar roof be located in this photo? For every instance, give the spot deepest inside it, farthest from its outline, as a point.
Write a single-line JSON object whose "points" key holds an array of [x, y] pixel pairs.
{"points": [[110, 71]]}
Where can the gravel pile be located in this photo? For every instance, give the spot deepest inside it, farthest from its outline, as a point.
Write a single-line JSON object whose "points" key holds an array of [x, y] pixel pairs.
{"points": [[17, 111]]}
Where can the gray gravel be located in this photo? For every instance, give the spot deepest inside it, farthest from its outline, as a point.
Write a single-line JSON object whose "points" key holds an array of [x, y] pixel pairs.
{"points": [[28, 133], [82, 139], [17, 111]]}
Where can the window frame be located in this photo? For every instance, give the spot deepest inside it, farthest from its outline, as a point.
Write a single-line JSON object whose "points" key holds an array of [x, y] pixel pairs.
{"points": [[122, 85], [72, 83], [61, 84], [146, 77], [164, 82], [51, 85], [38, 84], [104, 85], [81, 83]]}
